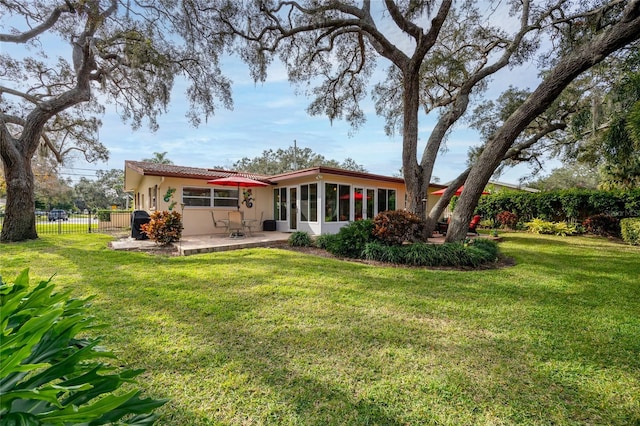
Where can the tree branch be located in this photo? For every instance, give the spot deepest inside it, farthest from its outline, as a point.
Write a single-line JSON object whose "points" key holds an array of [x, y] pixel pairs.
{"points": [[36, 31]]}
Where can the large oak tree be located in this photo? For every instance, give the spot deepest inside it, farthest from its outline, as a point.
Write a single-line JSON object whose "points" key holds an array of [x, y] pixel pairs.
{"points": [[124, 53], [441, 54]]}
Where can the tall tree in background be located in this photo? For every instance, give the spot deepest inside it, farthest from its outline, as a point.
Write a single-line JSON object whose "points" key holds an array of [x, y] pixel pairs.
{"points": [[440, 57], [129, 57], [608, 133], [293, 158], [106, 191], [158, 158], [569, 176]]}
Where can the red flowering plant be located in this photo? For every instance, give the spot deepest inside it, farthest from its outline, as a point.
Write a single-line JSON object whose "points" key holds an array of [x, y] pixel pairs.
{"points": [[164, 227], [394, 227], [507, 219]]}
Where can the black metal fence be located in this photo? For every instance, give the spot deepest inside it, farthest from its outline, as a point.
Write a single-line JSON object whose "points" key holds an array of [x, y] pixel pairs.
{"points": [[103, 222]]}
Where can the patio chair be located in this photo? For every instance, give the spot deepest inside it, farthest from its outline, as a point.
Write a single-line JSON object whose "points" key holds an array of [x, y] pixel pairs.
{"points": [[250, 223], [221, 223], [235, 225], [443, 227], [473, 225]]}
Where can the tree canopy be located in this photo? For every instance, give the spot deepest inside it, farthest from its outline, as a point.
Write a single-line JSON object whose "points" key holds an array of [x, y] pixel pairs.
{"points": [[106, 191], [159, 158], [293, 158]]}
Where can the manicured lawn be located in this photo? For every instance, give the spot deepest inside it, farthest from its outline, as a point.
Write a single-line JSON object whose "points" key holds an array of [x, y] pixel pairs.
{"points": [[267, 336]]}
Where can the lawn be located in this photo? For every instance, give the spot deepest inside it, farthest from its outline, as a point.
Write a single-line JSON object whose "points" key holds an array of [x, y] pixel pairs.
{"points": [[269, 336]]}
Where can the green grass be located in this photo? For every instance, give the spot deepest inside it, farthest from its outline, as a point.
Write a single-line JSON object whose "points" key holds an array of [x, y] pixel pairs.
{"points": [[268, 336]]}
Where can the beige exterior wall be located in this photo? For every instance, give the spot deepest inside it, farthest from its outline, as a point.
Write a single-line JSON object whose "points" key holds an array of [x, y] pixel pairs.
{"points": [[196, 220]]}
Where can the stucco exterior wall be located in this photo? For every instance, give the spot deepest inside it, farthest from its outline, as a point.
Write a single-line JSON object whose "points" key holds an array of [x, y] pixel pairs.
{"points": [[196, 220]]}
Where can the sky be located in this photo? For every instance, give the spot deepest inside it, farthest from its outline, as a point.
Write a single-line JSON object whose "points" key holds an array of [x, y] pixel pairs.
{"points": [[271, 115]]}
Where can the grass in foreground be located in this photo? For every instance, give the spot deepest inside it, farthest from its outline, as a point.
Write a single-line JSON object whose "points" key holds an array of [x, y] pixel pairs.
{"points": [[268, 336]]}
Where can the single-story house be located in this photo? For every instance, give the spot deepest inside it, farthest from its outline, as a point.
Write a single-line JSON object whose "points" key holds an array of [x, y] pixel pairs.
{"points": [[317, 200]]}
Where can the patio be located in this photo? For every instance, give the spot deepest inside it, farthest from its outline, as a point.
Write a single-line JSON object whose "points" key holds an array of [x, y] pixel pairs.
{"points": [[195, 244]]}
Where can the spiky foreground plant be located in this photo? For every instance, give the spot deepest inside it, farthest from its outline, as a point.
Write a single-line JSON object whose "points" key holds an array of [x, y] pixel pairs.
{"points": [[48, 375]]}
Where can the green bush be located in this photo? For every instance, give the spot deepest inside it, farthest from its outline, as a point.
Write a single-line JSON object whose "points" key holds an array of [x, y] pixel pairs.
{"points": [[568, 205], [478, 252], [325, 240], [398, 226], [539, 226], [48, 375], [351, 239], [300, 239], [603, 225], [164, 227], [104, 215], [630, 230]]}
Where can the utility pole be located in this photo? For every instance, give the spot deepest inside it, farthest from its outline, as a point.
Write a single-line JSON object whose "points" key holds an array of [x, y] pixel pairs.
{"points": [[295, 155]]}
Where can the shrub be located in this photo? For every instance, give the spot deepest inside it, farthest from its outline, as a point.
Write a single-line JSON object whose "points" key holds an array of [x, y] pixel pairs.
{"points": [[603, 225], [325, 240], [630, 230], [164, 227], [487, 224], [300, 239], [50, 376], [351, 239], [397, 226], [104, 215], [563, 229], [479, 252], [489, 246], [539, 226], [507, 219]]}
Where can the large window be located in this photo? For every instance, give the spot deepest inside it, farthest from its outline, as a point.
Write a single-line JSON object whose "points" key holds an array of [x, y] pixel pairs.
{"points": [[386, 199], [309, 202], [209, 197], [280, 204], [337, 202]]}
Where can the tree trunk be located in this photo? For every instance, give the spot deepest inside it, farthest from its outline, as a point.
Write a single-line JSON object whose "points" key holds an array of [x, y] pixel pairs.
{"points": [[619, 35], [20, 220], [443, 202], [416, 182]]}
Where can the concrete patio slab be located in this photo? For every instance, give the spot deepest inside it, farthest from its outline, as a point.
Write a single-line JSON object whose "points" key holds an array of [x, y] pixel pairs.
{"points": [[207, 243]]}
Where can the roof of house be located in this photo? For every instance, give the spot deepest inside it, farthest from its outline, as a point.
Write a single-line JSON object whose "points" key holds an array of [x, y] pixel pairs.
{"points": [[154, 169], [512, 186], [333, 171], [144, 168]]}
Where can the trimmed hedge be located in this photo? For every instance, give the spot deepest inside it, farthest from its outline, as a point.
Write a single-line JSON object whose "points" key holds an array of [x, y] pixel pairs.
{"points": [[569, 205], [474, 254], [630, 230]]}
